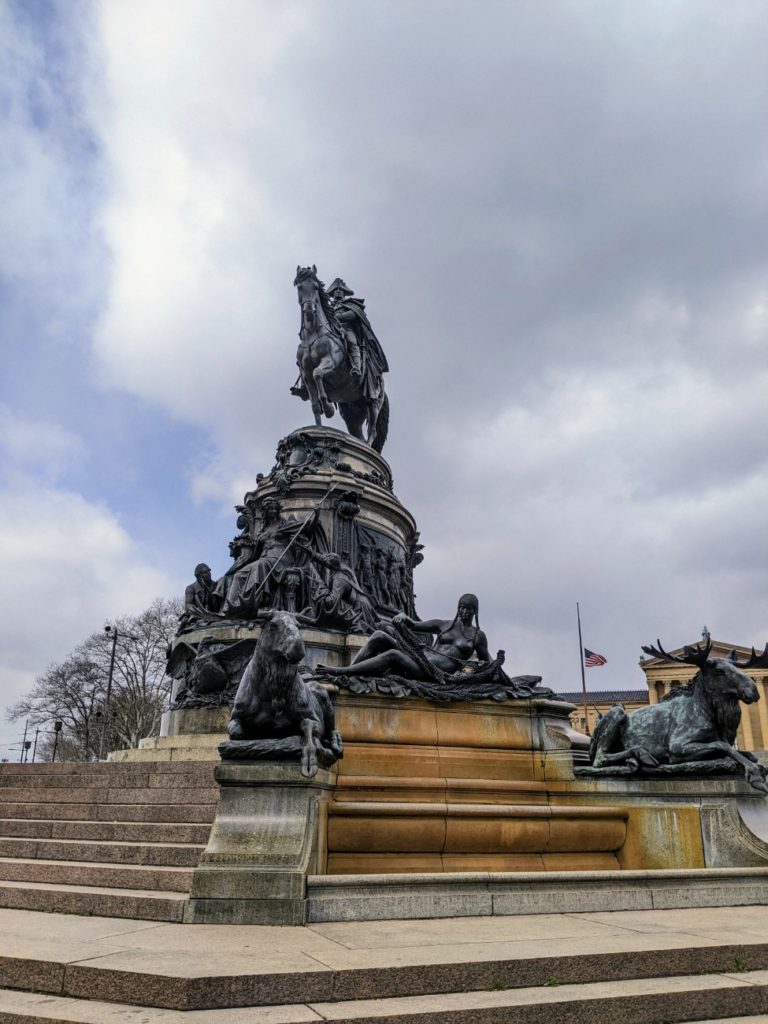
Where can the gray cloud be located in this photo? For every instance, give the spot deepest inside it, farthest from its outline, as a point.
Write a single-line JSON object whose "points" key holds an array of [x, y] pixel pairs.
{"points": [[557, 214]]}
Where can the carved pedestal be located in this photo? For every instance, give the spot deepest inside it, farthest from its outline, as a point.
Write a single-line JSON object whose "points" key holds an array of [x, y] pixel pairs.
{"points": [[322, 536], [268, 835]]}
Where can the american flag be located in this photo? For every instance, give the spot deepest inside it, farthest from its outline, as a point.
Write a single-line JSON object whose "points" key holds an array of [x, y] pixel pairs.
{"points": [[592, 660]]}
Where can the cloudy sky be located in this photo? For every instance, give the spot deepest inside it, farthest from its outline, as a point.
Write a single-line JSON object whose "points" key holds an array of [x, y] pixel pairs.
{"points": [[558, 215]]}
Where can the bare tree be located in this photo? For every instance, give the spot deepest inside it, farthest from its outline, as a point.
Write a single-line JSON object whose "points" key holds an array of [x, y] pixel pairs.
{"points": [[74, 691], [140, 688]]}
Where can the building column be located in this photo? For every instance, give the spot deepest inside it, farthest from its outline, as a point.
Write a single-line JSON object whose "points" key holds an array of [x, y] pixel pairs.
{"points": [[762, 712], [746, 728]]}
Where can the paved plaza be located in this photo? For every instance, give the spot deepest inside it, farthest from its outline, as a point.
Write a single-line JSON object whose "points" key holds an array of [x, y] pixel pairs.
{"points": [[106, 970]]}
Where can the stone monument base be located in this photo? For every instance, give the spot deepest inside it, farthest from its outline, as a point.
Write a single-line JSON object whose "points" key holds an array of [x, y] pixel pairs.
{"points": [[186, 734], [680, 823], [268, 835], [428, 790]]}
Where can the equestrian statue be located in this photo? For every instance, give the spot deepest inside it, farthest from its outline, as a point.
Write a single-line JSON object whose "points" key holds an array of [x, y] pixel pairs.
{"points": [[341, 363]]}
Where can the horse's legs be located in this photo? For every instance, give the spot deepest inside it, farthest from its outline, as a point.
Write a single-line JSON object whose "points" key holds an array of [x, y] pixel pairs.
{"points": [[353, 414], [323, 368], [314, 398], [309, 383]]}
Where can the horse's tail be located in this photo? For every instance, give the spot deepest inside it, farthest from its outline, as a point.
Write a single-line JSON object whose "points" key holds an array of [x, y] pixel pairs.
{"points": [[382, 426]]}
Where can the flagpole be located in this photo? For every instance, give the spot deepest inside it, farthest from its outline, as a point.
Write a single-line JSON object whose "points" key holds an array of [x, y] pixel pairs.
{"points": [[581, 662]]}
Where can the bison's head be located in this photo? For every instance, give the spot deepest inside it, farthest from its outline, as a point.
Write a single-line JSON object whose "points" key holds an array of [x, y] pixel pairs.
{"points": [[280, 637]]}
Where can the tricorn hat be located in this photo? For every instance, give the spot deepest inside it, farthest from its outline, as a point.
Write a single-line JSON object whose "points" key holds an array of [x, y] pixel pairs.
{"points": [[339, 285]]}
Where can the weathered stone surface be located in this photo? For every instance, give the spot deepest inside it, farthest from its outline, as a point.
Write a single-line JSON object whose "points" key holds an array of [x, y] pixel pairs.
{"points": [[263, 843], [81, 900], [194, 721], [682, 822], [178, 968], [734, 831], [383, 897]]}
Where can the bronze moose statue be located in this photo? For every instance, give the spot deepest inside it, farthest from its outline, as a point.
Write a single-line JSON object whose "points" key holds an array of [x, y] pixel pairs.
{"points": [[277, 715], [693, 724]]}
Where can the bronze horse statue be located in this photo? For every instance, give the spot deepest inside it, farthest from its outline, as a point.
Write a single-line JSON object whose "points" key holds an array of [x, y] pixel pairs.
{"points": [[327, 374], [693, 723]]}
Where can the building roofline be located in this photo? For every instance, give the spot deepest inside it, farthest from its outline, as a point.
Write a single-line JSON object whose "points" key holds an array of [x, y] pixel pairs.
{"points": [[718, 646], [601, 696]]}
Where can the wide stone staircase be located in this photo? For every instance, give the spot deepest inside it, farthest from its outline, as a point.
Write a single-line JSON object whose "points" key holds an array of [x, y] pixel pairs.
{"points": [[111, 849], [115, 840], [624, 968]]}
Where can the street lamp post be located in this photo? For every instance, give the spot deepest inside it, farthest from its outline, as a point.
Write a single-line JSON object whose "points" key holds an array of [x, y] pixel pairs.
{"points": [[105, 720], [24, 742], [105, 723], [57, 727]]}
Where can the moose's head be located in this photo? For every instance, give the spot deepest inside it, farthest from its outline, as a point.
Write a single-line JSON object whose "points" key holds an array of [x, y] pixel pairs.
{"points": [[724, 677]]}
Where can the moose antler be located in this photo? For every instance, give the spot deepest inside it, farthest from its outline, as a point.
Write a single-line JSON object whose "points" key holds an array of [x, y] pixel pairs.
{"points": [[753, 661], [692, 655]]}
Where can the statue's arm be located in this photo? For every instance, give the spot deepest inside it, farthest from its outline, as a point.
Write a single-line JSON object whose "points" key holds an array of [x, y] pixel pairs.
{"points": [[425, 626], [481, 647]]}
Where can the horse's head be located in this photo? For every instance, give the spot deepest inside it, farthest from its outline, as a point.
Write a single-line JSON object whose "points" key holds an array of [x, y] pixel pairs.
{"points": [[281, 638], [308, 287]]}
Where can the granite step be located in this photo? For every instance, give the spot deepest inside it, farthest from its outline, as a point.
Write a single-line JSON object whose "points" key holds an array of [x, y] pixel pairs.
{"points": [[647, 1001], [92, 900], [145, 854], [109, 795], [179, 967], [103, 767], [162, 812], [94, 775], [110, 876], [107, 831]]}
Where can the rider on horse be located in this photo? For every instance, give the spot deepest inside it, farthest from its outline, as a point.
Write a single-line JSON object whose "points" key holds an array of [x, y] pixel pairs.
{"points": [[341, 363], [367, 361], [347, 316]]}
